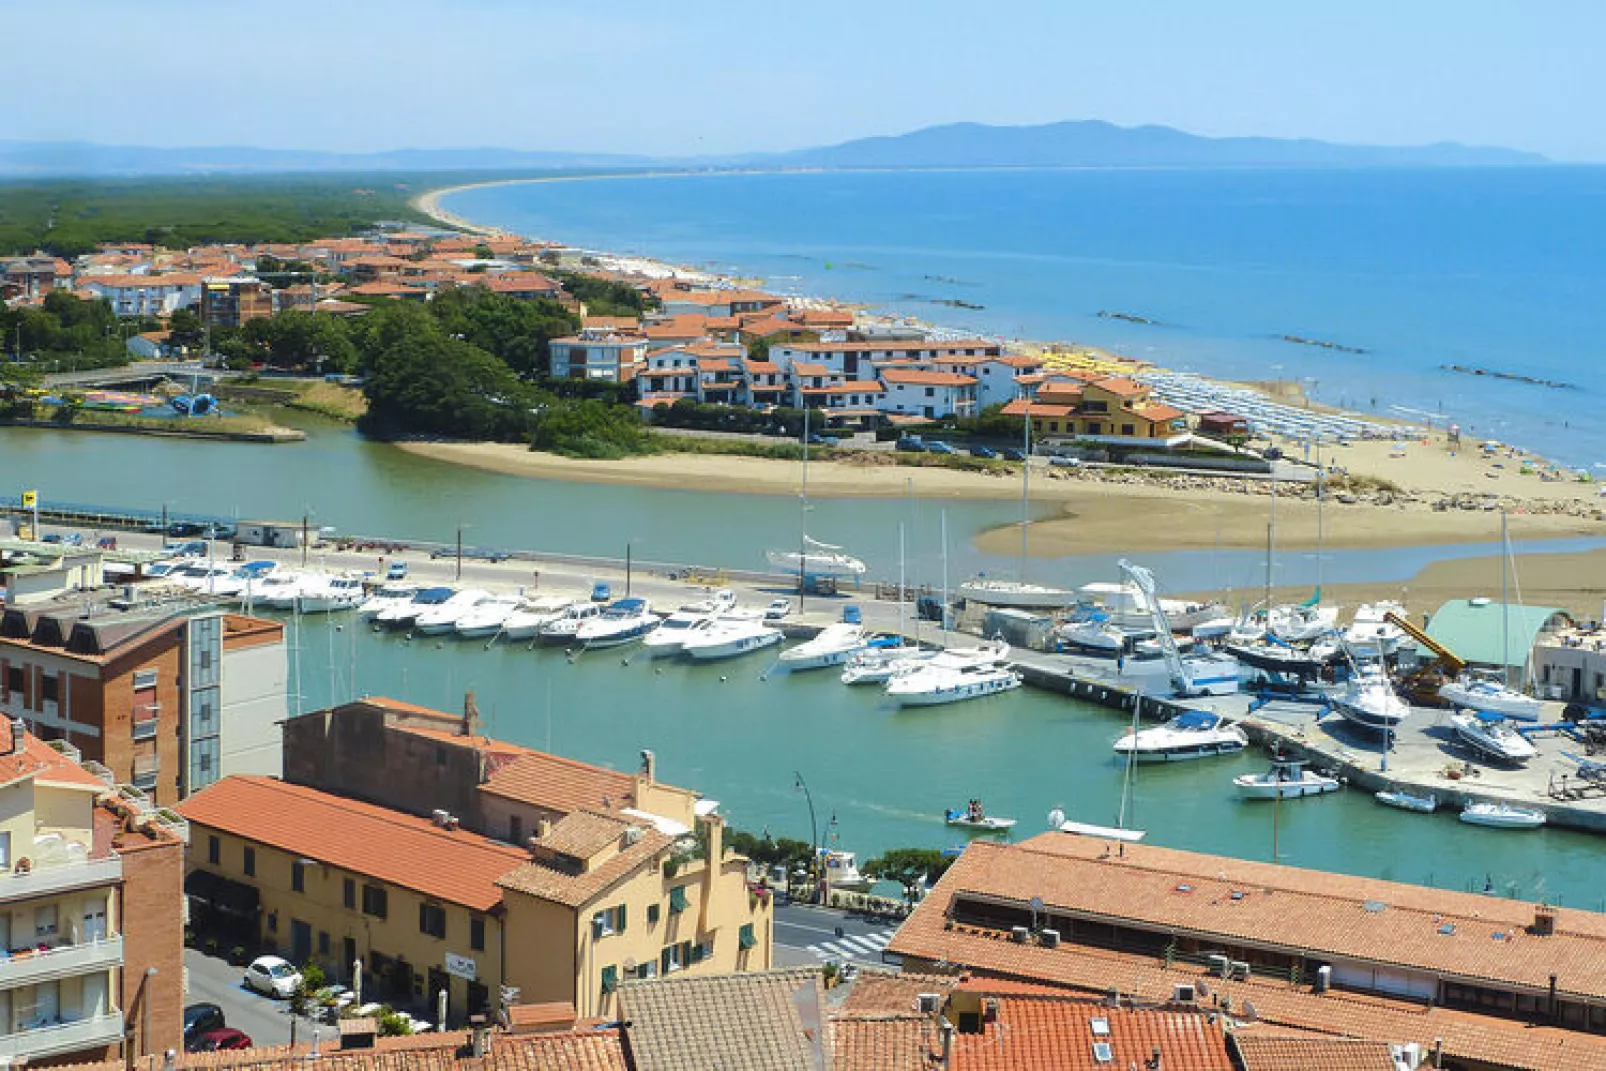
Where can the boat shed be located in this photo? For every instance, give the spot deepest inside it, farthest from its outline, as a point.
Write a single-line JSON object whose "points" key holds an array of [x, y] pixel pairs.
{"points": [[271, 533], [1477, 629]]}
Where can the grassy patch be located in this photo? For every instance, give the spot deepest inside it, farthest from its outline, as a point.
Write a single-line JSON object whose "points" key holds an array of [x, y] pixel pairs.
{"points": [[330, 400], [781, 451]]}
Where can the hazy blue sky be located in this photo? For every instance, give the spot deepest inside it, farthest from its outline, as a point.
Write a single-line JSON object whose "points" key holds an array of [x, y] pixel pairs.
{"points": [[712, 76]]}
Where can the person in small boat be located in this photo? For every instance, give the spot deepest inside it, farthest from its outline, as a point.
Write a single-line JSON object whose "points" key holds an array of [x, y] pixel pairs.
{"points": [[974, 812]]}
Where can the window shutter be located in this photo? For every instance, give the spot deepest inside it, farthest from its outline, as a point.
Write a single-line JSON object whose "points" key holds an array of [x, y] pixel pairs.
{"points": [[596, 926], [610, 979], [652, 912], [748, 938], [620, 925], [685, 953], [663, 964]]}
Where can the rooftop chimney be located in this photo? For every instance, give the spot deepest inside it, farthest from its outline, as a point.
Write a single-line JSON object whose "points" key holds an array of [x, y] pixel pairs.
{"points": [[649, 766], [471, 716], [19, 733], [1544, 921], [481, 1032]]}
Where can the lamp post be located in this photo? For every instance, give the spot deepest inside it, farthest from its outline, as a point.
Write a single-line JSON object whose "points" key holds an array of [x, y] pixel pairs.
{"points": [[460, 527], [814, 828]]}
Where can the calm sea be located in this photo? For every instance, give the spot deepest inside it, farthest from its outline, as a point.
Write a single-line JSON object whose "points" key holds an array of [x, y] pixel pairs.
{"points": [[1495, 269]]}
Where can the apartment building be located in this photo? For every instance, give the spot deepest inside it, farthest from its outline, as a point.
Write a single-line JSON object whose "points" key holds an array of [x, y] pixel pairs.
{"points": [[143, 295], [931, 395], [1109, 409], [91, 937], [598, 355], [168, 702], [234, 300]]}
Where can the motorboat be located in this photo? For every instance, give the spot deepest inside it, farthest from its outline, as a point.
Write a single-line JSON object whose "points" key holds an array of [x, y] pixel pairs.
{"points": [[1193, 734], [1094, 633], [1199, 673], [404, 614], [387, 596], [1213, 628], [1301, 624], [668, 637], [564, 627], [1016, 594], [1490, 695], [1502, 816], [877, 665], [625, 621], [815, 559], [1370, 629], [1285, 779], [1154, 648], [330, 593], [841, 870], [973, 818], [204, 578], [1273, 656], [834, 645], [485, 618], [1369, 700], [1405, 801], [1493, 737], [278, 590], [526, 621], [727, 638], [935, 684], [1126, 605], [442, 618]]}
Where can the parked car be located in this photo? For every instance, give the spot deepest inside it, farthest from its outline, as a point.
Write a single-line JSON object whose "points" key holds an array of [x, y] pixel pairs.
{"points": [[601, 591], [397, 571], [817, 439], [912, 444], [851, 615], [201, 1019], [195, 548], [1066, 462], [937, 446], [51, 537], [1014, 454], [220, 1041], [272, 976], [983, 451], [106, 543], [777, 609]]}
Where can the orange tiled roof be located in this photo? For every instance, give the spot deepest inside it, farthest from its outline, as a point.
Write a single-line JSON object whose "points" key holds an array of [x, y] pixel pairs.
{"points": [[1057, 1033], [1158, 412], [809, 368], [554, 783], [753, 1021], [895, 346], [561, 886], [915, 377], [886, 1043], [1258, 1051], [400, 849], [1022, 407], [1120, 385]]}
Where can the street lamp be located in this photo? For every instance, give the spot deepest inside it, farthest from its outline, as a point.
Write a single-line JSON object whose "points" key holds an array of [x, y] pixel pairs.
{"points": [[460, 527], [814, 828]]}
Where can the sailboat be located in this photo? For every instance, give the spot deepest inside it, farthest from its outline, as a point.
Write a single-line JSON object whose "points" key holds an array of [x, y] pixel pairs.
{"points": [[813, 558], [1493, 692]]}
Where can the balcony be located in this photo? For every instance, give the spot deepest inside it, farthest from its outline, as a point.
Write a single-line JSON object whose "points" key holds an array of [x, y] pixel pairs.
{"points": [[64, 961], [145, 730], [62, 1037], [45, 881]]}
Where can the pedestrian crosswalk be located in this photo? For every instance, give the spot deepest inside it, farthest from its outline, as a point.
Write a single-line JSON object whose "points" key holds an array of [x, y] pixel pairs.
{"points": [[863, 947]]}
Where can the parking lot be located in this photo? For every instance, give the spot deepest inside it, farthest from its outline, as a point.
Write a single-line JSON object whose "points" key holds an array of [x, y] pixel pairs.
{"points": [[212, 979]]}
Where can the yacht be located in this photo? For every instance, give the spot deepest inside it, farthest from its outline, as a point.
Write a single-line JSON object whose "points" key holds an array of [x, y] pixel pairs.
{"points": [[668, 637], [403, 614], [203, 578], [1370, 629], [1406, 801], [1094, 633], [1126, 606], [563, 627], [1488, 694], [727, 638], [278, 590], [330, 593], [486, 617], [624, 621], [1369, 700], [443, 616], [1193, 734], [834, 645], [385, 597], [1493, 737], [817, 559], [1286, 779], [1502, 816], [1017, 594], [935, 683], [841, 870], [1300, 624], [877, 665], [1273, 656], [525, 622]]}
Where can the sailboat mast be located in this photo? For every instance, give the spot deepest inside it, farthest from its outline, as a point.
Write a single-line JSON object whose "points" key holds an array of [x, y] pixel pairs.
{"points": [[901, 589], [943, 531], [803, 517], [1271, 545], [1025, 482], [1321, 487], [1505, 602]]}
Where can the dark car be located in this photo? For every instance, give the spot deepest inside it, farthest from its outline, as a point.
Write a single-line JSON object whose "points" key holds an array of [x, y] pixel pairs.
{"points": [[185, 529], [983, 451], [937, 446], [911, 444], [221, 1040], [1014, 454], [201, 1019], [817, 439]]}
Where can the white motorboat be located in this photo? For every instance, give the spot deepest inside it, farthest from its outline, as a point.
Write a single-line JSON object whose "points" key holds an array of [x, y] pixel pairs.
{"points": [[668, 637], [1370, 629], [388, 595], [729, 637], [330, 593], [526, 621], [1370, 701], [1213, 628], [834, 645], [1502, 816], [1493, 737], [442, 618], [1193, 734], [1286, 779], [1195, 674], [815, 559], [204, 578], [1405, 801], [970, 818], [1301, 624], [624, 621], [841, 870], [1017, 594], [564, 627], [1273, 656], [486, 617], [1126, 605], [1486, 694], [877, 665], [1094, 633], [403, 614], [935, 684], [278, 590]]}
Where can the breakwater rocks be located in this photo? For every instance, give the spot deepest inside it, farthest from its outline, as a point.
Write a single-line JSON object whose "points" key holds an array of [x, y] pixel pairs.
{"points": [[1129, 317], [1321, 344], [1514, 377]]}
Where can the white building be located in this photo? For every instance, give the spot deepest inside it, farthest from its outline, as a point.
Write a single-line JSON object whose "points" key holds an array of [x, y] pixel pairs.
{"points": [[932, 395], [605, 355], [144, 295]]}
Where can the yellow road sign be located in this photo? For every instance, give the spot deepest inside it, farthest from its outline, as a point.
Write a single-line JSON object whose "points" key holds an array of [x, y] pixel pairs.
{"points": [[30, 499]]}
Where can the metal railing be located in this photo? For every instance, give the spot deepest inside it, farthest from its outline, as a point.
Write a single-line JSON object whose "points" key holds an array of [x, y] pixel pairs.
{"points": [[63, 1037], [28, 967]]}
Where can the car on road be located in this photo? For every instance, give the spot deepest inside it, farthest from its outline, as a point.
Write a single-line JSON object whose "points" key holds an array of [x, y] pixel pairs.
{"points": [[777, 609], [1066, 462], [937, 446], [272, 976], [220, 1041], [601, 591], [817, 439], [195, 548], [397, 571], [201, 1019], [1014, 454], [479, 554], [911, 444], [983, 451]]}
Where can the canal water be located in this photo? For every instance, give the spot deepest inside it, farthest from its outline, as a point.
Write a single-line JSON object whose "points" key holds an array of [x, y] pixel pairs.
{"points": [[878, 777]]}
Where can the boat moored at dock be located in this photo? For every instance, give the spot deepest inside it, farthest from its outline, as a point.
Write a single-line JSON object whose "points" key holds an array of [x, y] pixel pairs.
{"points": [[1502, 816], [1285, 779], [834, 645], [626, 620], [1193, 734]]}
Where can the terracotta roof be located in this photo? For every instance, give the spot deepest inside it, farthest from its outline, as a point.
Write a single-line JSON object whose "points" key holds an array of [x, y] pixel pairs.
{"points": [[610, 323], [554, 783], [582, 834], [400, 849], [896, 346], [1120, 385], [1158, 412], [1021, 407], [686, 325], [1058, 1033], [884, 993], [886, 1043], [756, 1021], [546, 882], [809, 368], [715, 364], [523, 283], [134, 282], [916, 377], [1281, 1051], [765, 368]]}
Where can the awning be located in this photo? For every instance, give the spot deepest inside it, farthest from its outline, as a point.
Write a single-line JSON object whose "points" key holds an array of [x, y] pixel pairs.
{"points": [[222, 894]]}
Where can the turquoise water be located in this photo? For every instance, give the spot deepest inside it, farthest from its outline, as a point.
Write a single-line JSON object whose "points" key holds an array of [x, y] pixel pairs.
{"points": [[1500, 269]]}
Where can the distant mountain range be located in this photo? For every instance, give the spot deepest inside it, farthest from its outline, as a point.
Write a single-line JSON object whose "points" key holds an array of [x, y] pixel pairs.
{"points": [[1069, 144]]}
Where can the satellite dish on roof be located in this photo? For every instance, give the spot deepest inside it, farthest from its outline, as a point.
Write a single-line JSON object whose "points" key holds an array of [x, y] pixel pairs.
{"points": [[1249, 1012]]}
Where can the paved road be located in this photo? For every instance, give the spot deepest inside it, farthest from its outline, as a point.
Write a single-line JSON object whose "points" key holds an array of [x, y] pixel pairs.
{"points": [[214, 980], [805, 936]]}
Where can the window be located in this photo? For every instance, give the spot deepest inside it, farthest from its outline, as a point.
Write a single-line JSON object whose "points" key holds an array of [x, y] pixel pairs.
{"points": [[323, 942], [476, 934], [273, 922], [214, 851], [1095, 429], [673, 958], [298, 877], [45, 921], [931, 392], [610, 979], [432, 920], [14, 679], [348, 894], [677, 899], [747, 938], [373, 901], [52, 688], [250, 862], [440, 756], [703, 950], [608, 922], [143, 679], [1128, 429], [515, 828], [653, 911]]}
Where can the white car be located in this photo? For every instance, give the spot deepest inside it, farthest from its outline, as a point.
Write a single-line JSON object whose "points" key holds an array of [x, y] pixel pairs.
{"points": [[272, 976], [777, 609]]}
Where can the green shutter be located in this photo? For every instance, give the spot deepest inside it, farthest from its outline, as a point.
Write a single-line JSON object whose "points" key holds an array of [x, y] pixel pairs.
{"points": [[653, 911], [597, 925], [677, 899], [620, 926], [610, 979], [748, 938], [663, 960]]}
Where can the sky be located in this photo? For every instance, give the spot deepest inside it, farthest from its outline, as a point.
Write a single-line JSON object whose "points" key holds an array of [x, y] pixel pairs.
{"points": [[709, 76]]}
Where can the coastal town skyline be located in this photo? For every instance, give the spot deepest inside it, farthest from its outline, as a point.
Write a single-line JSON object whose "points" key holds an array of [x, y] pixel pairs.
{"points": [[1377, 76]]}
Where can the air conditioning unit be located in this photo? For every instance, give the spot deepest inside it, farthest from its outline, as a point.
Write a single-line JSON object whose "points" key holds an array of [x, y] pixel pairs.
{"points": [[929, 1003], [1049, 938], [1182, 993], [989, 1010], [1020, 934], [441, 817], [1219, 964], [1324, 979], [1240, 969]]}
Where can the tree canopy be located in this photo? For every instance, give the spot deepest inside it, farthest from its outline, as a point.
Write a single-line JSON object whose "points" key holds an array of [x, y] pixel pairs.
{"points": [[910, 867]]}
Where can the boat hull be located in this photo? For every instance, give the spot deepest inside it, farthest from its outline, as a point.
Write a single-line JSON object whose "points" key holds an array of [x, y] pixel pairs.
{"points": [[1253, 788], [1183, 752], [1407, 802], [1503, 817], [1520, 707], [732, 648], [956, 692], [1019, 596]]}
